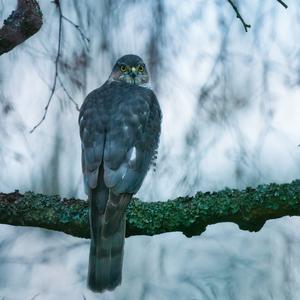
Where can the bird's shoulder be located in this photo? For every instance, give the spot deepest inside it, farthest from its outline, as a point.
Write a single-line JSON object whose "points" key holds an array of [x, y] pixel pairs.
{"points": [[96, 95], [118, 91], [115, 98]]}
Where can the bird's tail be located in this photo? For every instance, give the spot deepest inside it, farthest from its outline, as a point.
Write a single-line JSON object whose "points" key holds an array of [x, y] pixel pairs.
{"points": [[106, 251]]}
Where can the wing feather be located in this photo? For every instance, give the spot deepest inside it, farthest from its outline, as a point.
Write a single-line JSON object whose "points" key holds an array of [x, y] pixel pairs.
{"points": [[116, 121], [92, 133]]}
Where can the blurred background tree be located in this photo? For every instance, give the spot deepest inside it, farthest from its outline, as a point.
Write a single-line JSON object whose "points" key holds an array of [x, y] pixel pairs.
{"points": [[231, 109]]}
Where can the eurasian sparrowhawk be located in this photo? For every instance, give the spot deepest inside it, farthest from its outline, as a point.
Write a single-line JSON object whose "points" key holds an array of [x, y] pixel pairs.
{"points": [[120, 126]]}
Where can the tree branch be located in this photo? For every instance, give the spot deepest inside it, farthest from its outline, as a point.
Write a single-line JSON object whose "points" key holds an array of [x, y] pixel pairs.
{"points": [[24, 22], [282, 3], [238, 15], [68, 94], [84, 38], [57, 3], [249, 209]]}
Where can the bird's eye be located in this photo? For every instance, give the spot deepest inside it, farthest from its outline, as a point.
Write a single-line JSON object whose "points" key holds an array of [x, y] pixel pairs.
{"points": [[123, 68], [141, 68]]}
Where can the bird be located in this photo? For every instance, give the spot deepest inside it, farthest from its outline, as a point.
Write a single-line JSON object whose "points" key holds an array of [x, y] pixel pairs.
{"points": [[120, 125]]}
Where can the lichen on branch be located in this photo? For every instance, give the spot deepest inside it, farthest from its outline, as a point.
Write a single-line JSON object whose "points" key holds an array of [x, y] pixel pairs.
{"points": [[23, 22], [249, 209]]}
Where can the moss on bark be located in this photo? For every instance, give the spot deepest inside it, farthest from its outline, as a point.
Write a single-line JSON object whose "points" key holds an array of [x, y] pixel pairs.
{"points": [[249, 209]]}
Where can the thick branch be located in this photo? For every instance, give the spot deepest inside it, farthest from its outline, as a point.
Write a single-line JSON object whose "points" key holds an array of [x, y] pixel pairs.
{"points": [[249, 209], [24, 22]]}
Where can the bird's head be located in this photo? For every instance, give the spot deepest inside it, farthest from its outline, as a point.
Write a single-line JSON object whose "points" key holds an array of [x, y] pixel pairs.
{"points": [[131, 69]]}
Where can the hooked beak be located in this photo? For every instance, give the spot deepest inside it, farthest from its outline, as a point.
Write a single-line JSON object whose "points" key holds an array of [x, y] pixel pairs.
{"points": [[133, 72]]}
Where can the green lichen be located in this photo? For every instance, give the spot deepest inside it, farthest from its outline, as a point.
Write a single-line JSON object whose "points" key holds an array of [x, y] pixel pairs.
{"points": [[23, 22], [249, 209]]}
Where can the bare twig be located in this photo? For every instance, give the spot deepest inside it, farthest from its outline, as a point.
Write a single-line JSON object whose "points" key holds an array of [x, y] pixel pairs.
{"points": [[238, 15], [56, 68], [68, 94], [282, 3], [83, 36], [35, 296]]}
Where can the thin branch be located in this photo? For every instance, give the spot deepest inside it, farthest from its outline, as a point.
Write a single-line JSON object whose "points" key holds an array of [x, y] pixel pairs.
{"points": [[35, 296], [238, 15], [282, 3], [249, 209], [68, 94], [85, 39], [23, 23], [56, 68]]}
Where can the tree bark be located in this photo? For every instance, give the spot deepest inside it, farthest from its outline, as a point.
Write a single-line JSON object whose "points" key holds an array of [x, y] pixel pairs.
{"points": [[23, 22], [249, 209]]}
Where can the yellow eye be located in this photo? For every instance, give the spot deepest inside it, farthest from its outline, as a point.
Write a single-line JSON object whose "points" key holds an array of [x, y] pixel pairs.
{"points": [[141, 68], [123, 68]]}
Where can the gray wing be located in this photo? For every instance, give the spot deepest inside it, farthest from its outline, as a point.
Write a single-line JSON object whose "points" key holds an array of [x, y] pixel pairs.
{"points": [[119, 126], [92, 133], [131, 141]]}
